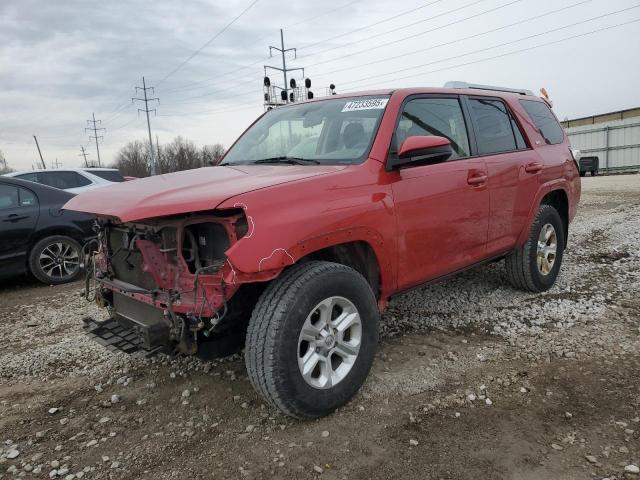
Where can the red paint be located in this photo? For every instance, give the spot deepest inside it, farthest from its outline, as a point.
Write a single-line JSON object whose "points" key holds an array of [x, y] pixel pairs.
{"points": [[419, 142], [422, 222]]}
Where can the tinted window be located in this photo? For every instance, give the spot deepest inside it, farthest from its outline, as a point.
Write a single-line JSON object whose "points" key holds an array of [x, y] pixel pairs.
{"points": [[440, 117], [8, 197], [544, 119], [64, 180], [496, 131], [109, 175], [31, 177], [27, 197]]}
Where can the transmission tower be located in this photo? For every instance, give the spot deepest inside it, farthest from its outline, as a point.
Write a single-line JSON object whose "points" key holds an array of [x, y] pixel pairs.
{"points": [[146, 101], [84, 154], [270, 96], [95, 129]]}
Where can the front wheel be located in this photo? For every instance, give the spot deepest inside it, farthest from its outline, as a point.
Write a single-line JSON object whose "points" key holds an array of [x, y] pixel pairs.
{"points": [[312, 338], [534, 266], [55, 260]]}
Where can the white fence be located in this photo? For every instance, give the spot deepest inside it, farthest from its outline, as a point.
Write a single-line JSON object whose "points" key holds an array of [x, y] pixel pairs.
{"points": [[615, 143]]}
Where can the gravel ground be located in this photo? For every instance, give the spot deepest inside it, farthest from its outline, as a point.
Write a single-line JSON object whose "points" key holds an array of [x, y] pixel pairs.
{"points": [[472, 380]]}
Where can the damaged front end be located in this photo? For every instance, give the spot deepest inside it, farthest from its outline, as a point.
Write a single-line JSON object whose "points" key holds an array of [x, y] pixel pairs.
{"points": [[167, 284]]}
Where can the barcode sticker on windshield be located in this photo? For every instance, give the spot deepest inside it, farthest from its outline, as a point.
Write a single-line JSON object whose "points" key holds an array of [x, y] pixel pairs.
{"points": [[365, 104]]}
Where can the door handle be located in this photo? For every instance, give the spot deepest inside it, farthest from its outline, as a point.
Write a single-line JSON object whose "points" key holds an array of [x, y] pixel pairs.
{"points": [[477, 179], [533, 168], [14, 217]]}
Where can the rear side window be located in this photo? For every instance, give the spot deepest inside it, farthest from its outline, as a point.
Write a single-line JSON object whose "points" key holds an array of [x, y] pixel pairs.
{"points": [[496, 130], [27, 197], [8, 197], [441, 117], [64, 180], [109, 175], [30, 177], [545, 120]]}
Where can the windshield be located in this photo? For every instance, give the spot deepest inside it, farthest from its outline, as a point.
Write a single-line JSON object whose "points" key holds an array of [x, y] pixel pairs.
{"points": [[332, 131]]}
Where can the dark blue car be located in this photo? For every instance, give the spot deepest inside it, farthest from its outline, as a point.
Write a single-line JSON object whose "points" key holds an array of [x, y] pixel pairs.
{"points": [[37, 236]]}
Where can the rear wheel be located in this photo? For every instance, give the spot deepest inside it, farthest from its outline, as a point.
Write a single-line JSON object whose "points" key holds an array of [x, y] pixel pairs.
{"points": [[312, 338], [594, 173], [534, 266], [55, 260]]}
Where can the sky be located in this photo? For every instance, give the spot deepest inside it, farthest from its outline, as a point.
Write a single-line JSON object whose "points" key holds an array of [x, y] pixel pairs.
{"points": [[62, 61]]}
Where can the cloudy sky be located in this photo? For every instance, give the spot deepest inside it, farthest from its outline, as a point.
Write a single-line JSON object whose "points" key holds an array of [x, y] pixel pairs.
{"points": [[62, 60]]}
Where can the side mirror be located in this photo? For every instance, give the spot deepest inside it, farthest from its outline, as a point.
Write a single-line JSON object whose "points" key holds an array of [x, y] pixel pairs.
{"points": [[422, 149]]}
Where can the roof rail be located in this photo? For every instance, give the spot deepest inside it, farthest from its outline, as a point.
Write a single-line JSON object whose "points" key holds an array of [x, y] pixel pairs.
{"points": [[456, 84]]}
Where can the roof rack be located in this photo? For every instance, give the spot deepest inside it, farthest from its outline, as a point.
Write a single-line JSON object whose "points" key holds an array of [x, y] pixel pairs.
{"points": [[456, 84]]}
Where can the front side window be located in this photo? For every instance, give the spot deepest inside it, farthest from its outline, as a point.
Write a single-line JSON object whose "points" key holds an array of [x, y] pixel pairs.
{"points": [[440, 117], [544, 120], [332, 131], [496, 130], [64, 180]]}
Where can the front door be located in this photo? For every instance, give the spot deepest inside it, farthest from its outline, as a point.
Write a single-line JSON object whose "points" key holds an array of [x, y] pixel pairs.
{"points": [[18, 218], [442, 209]]}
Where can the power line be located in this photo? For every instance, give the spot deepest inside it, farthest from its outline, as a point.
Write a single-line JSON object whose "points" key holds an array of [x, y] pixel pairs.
{"points": [[398, 40], [207, 43], [95, 130], [207, 81], [251, 104], [146, 110], [528, 37], [421, 50], [384, 20], [474, 62]]}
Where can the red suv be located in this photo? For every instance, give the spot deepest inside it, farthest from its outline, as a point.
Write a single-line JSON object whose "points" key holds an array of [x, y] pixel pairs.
{"points": [[318, 215]]}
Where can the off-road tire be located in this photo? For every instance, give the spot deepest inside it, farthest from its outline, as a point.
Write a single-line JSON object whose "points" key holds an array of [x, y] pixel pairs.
{"points": [[36, 269], [521, 264], [271, 351]]}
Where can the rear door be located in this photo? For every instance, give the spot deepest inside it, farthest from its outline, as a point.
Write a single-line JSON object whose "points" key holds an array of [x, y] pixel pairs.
{"points": [[442, 209], [513, 167], [18, 218]]}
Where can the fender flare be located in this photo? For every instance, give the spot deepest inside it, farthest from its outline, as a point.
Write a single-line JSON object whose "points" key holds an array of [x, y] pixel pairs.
{"points": [[269, 267], [544, 190]]}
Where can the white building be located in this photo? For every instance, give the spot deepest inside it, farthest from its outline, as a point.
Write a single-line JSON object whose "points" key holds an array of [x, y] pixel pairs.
{"points": [[612, 137]]}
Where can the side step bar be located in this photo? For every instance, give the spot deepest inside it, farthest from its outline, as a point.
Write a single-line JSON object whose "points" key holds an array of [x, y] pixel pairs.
{"points": [[115, 337]]}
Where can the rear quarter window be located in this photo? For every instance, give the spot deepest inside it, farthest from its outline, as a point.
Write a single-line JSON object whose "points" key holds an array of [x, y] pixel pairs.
{"points": [[544, 120], [109, 175]]}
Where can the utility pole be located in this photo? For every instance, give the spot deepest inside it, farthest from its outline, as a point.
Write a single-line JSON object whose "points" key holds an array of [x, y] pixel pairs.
{"points": [[146, 101], [84, 154], [95, 130], [41, 159], [283, 52], [158, 158]]}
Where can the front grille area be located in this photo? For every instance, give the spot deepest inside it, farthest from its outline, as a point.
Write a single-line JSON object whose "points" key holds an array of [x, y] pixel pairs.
{"points": [[127, 266]]}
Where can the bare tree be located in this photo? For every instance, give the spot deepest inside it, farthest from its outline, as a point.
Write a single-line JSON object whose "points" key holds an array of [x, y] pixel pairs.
{"points": [[179, 155], [132, 159], [4, 166], [212, 154]]}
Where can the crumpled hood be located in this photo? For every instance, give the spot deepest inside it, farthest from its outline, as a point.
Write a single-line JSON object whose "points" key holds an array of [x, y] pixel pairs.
{"points": [[187, 191]]}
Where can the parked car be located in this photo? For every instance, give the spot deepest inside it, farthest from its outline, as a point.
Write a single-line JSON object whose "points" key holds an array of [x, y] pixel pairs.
{"points": [[74, 180], [36, 235], [400, 188], [589, 164]]}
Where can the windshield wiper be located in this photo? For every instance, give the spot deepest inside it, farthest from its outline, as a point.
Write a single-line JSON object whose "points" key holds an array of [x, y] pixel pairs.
{"points": [[289, 160]]}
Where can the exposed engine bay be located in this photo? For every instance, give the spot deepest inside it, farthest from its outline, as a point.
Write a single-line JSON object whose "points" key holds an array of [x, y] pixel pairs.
{"points": [[166, 282]]}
